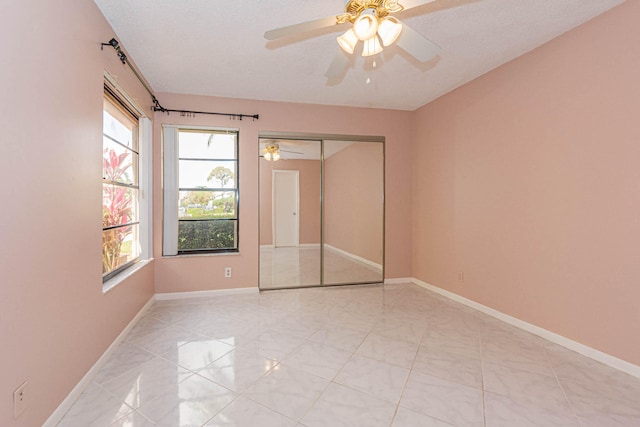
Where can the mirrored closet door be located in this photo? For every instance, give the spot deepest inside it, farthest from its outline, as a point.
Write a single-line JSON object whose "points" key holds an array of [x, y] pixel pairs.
{"points": [[353, 220], [321, 211], [290, 185]]}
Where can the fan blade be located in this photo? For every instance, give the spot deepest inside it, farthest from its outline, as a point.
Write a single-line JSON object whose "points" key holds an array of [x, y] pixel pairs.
{"points": [[292, 152], [338, 65], [417, 45], [410, 4], [303, 27]]}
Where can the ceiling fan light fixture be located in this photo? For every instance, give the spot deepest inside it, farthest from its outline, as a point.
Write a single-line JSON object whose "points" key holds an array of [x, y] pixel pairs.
{"points": [[389, 30], [372, 46], [272, 152], [366, 24], [348, 41]]}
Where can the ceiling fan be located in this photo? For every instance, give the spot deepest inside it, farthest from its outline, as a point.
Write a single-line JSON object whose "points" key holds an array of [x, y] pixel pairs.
{"points": [[373, 23]]}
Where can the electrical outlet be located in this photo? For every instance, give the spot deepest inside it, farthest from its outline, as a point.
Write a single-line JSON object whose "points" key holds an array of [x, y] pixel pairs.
{"points": [[461, 276], [227, 272], [20, 400]]}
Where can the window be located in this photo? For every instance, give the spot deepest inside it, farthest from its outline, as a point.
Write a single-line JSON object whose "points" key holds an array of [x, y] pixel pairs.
{"points": [[120, 187], [201, 191]]}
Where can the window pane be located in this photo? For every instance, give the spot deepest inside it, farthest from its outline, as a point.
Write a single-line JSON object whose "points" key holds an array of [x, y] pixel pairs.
{"points": [[207, 174], [207, 204], [119, 246], [206, 145], [118, 163], [119, 205], [117, 130], [119, 126], [203, 235]]}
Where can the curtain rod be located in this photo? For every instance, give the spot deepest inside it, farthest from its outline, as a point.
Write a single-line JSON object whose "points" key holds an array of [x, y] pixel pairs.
{"points": [[156, 104]]}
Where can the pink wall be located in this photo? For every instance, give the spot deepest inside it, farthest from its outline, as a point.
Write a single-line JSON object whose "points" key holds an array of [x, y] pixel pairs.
{"points": [[354, 200], [55, 321], [181, 274], [309, 182], [527, 180]]}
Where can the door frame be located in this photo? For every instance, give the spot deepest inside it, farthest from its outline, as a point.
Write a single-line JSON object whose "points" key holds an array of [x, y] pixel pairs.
{"points": [[296, 174]]}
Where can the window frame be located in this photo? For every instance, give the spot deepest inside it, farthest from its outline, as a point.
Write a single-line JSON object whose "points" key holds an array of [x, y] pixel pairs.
{"points": [[172, 190], [119, 99]]}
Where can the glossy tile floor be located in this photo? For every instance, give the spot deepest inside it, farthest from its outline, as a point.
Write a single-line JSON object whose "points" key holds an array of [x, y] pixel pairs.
{"points": [[393, 355], [292, 267]]}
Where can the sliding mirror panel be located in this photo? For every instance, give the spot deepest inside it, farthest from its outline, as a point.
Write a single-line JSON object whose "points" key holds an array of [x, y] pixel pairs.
{"points": [[290, 230], [353, 212]]}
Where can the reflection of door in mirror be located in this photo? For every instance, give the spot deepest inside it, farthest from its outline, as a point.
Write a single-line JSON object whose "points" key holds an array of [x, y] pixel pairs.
{"points": [[285, 206], [353, 212], [290, 215]]}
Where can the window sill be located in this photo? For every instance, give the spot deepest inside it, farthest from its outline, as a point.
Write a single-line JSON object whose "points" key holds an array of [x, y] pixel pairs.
{"points": [[115, 281]]}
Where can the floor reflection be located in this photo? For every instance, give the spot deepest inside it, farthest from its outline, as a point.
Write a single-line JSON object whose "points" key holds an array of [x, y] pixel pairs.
{"points": [[292, 267]]}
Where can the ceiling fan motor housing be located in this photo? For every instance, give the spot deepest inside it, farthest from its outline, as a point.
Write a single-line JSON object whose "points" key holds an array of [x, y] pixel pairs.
{"points": [[355, 7]]}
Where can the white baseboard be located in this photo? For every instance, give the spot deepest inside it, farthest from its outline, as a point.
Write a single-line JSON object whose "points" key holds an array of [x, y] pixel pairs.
{"points": [[399, 280], [204, 294], [354, 257], [71, 398], [592, 353]]}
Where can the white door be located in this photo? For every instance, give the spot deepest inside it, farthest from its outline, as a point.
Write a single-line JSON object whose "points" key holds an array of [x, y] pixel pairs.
{"points": [[286, 221]]}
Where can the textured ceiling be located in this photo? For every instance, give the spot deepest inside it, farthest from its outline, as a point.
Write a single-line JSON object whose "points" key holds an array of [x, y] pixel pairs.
{"points": [[216, 47]]}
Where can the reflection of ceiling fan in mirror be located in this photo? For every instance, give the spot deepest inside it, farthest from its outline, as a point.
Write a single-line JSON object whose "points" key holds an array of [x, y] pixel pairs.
{"points": [[373, 23], [272, 150]]}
